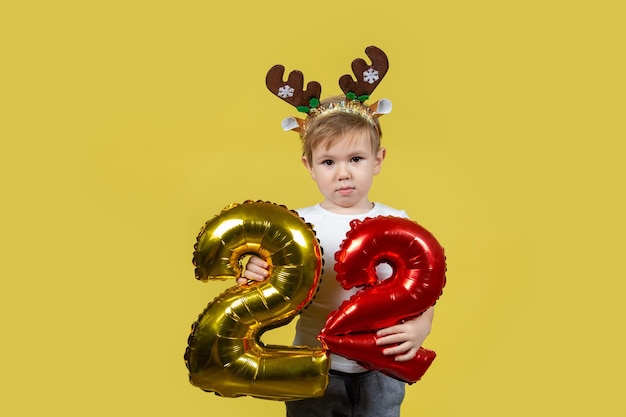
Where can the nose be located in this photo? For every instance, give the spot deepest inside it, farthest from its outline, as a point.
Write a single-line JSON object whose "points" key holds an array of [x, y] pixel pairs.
{"points": [[343, 172]]}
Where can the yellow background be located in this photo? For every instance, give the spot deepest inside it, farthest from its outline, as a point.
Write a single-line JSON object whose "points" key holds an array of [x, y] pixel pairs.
{"points": [[125, 125]]}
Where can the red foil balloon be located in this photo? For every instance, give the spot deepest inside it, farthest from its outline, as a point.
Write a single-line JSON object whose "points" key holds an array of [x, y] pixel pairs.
{"points": [[418, 278]]}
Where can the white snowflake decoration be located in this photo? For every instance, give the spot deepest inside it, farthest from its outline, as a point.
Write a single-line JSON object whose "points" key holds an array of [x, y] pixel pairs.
{"points": [[370, 76], [285, 91]]}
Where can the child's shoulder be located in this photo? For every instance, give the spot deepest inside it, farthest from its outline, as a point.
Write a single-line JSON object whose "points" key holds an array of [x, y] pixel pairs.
{"points": [[303, 211], [385, 210]]}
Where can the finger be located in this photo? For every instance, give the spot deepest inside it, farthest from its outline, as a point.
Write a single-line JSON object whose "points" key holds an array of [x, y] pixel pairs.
{"points": [[410, 354], [258, 262], [390, 339], [251, 275], [397, 350], [255, 269], [399, 328]]}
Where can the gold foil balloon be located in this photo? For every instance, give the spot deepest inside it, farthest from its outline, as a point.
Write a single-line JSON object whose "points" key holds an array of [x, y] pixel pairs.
{"points": [[225, 354]]}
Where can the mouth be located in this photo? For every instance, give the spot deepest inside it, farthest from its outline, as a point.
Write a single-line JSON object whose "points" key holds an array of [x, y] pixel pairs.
{"points": [[345, 190]]}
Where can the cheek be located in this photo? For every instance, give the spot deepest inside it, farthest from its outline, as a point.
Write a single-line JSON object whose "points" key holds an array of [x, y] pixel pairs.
{"points": [[319, 175]]}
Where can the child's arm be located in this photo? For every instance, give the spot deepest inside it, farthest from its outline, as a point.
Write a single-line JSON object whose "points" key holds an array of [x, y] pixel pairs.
{"points": [[408, 336]]}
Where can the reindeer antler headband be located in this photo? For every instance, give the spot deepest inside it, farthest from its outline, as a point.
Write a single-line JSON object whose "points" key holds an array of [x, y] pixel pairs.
{"points": [[368, 76]]}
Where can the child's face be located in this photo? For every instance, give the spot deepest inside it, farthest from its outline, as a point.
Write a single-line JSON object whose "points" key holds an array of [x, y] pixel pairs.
{"points": [[345, 171]]}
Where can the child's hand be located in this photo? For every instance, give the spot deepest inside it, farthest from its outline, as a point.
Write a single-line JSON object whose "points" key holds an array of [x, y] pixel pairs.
{"points": [[408, 336], [256, 270]]}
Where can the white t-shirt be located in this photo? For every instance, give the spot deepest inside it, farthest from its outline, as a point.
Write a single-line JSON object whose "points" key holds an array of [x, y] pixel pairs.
{"points": [[331, 229]]}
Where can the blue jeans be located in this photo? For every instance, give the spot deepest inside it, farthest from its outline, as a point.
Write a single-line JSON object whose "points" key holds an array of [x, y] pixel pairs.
{"points": [[367, 394]]}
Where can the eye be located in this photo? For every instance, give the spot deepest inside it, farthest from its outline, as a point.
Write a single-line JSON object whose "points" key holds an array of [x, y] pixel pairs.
{"points": [[327, 162], [356, 159]]}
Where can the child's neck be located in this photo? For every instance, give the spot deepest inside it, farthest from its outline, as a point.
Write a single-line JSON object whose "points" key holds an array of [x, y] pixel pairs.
{"points": [[356, 209]]}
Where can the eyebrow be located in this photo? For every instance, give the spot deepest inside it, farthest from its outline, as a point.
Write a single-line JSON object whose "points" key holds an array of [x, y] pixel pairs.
{"points": [[357, 152], [325, 157]]}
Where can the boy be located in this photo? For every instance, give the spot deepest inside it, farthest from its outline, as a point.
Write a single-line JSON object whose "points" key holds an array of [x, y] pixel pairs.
{"points": [[342, 152]]}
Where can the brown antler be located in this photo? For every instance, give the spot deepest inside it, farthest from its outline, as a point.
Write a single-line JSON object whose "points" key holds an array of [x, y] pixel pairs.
{"points": [[368, 76], [292, 91]]}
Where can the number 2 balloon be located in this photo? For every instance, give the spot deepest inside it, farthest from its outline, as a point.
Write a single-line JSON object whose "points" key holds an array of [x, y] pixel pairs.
{"points": [[225, 354], [418, 278]]}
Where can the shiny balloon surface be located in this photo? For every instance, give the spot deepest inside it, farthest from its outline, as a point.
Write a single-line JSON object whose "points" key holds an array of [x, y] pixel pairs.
{"points": [[225, 354], [418, 278]]}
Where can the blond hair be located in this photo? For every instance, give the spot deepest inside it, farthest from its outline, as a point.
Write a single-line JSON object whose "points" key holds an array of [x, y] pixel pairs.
{"points": [[323, 130]]}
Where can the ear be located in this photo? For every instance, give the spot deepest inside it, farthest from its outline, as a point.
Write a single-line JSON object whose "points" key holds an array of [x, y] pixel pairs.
{"points": [[378, 162], [308, 166]]}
